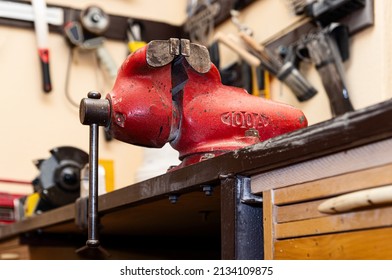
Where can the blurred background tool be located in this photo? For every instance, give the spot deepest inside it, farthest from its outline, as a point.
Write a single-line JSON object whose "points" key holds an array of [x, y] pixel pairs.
{"points": [[87, 38], [248, 63], [94, 19], [200, 22], [95, 22], [260, 56], [58, 183], [325, 11], [42, 31], [134, 36], [327, 50], [74, 33], [284, 71], [231, 43], [259, 79], [326, 46]]}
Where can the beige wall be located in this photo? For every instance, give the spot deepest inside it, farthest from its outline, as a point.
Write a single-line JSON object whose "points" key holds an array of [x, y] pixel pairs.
{"points": [[33, 123]]}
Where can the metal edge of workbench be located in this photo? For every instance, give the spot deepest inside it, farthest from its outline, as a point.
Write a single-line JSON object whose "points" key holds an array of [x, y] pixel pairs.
{"points": [[361, 127]]}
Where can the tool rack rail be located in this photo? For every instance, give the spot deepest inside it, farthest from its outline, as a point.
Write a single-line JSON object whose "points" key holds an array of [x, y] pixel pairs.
{"points": [[225, 176]]}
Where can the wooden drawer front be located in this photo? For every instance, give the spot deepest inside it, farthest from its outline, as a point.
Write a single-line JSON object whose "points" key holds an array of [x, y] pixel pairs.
{"points": [[9, 243], [334, 185], [379, 217], [366, 244], [15, 253], [295, 228], [296, 212]]}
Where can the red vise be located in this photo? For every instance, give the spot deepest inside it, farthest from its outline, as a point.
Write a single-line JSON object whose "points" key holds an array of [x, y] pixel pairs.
{"points": [[203, 119]]}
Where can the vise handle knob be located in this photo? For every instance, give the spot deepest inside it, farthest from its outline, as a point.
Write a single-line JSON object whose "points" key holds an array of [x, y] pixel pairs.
{"points": [[94, 110]]}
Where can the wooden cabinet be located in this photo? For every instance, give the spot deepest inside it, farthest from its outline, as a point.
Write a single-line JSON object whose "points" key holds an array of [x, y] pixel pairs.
{"points": [[13, 250], [296, 229]]}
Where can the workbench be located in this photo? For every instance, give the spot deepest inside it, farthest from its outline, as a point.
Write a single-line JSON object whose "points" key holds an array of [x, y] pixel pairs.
{"points": [[254, 203]]}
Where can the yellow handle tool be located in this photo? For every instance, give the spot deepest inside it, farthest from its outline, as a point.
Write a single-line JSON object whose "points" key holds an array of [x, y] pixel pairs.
{"points": [[135, 41], [255, 84], [135, 45]]}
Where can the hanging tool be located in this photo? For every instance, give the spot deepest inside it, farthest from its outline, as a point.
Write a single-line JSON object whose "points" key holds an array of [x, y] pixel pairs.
{"points": [[230, 42], [75, 35], [325, 11], [95, 22], [202, 16], [284, 71], [255, 77], [231, 75], [200, 22], [327, 48], [259, 56], [42, 31], [81, 39], [325, 53], [248, 61], [134, 36]]}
